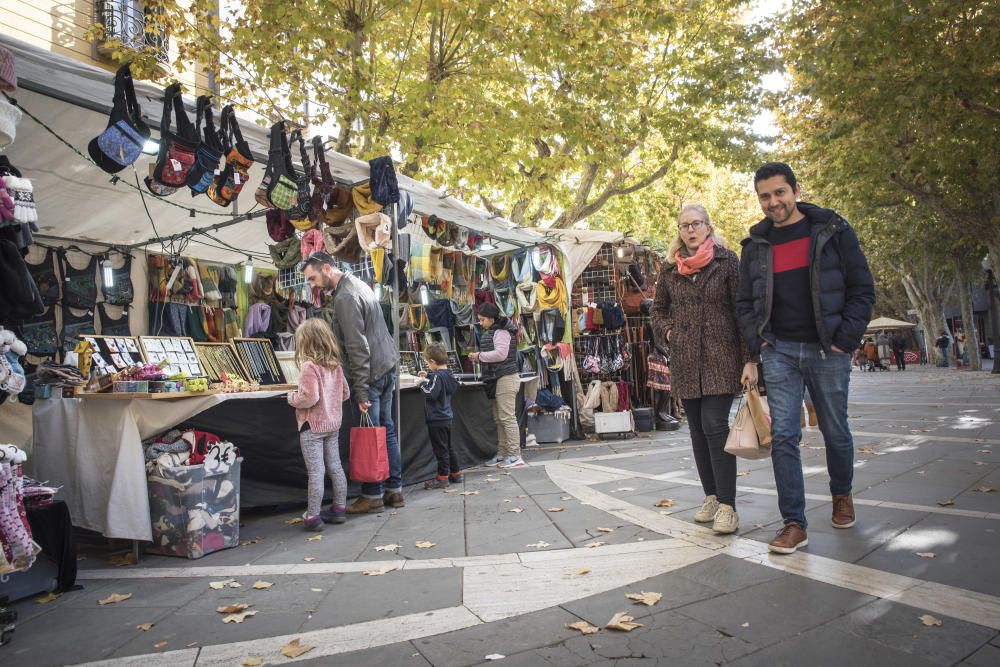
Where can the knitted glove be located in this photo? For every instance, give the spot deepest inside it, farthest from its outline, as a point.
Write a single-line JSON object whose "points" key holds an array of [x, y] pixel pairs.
{"points": [[6, 205], [24, 200]]}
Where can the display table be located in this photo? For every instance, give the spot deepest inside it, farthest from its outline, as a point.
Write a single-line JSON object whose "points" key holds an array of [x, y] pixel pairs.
{"points": [[93, 448]]}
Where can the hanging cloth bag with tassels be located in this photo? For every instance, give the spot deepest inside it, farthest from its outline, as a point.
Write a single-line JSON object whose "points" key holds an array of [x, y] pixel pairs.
{"points": [[209, 151], [227, 185], [177, 149], [277, 189], [323, 183], [120, 144], [303, 202]]}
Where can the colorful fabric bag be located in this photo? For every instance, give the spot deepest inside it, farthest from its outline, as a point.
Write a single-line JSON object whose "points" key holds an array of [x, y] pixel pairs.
{"points": [[177, 149], [121, 142], [226, 186]]}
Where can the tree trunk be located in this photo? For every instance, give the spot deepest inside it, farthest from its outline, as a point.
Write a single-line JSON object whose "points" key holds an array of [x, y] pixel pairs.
{"points": [[968, 322], [993, 245], [924, 299]]}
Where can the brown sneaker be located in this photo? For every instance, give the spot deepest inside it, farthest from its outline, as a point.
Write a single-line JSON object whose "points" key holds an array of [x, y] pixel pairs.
{"points": [[843, 511], [393, 499], [788, 539], [365, 506]]}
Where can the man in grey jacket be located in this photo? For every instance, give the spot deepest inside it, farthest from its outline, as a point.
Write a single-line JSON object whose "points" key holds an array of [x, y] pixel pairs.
{"points": [[369, 364]]}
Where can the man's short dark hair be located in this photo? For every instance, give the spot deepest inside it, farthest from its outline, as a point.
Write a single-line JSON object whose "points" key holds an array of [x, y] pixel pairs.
{"points": [[437, 353], [770, 169], [318, 259]]}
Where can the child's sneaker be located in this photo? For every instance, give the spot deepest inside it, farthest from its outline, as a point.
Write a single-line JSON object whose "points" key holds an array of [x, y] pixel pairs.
{"points": [[313, 524], [512, 462], [455, 478], [334, 514], [437, 483], [493, 462]]}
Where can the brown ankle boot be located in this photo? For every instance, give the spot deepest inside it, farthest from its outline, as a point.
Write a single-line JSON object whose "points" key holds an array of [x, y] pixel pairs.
{"points": [[393, 499], [366, 506], [843, 511]]}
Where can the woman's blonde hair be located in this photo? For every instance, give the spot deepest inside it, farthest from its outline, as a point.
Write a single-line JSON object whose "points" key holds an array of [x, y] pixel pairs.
{"points": [[677, 245], [315, 342]]}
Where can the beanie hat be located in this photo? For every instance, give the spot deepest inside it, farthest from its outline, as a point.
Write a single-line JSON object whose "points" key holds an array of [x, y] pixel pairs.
{"points": [[8, 77], [489, 310], [10, 116]]}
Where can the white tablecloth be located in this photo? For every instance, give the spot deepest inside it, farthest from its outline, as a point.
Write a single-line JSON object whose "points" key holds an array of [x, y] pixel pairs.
{"points": [[93, 447]]}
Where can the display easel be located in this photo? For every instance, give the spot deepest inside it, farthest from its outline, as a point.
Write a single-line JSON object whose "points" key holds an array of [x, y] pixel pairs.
{"points": [[178, 352]]}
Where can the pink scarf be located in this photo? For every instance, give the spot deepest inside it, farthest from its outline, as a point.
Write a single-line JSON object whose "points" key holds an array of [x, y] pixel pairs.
{"points": [[687, 266]]}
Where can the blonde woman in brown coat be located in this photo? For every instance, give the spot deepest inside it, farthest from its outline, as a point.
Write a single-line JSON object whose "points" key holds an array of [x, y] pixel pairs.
{"points": [[695, 312]]}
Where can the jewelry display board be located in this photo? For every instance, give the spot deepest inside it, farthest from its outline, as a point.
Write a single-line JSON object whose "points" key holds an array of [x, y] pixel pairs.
{"points": [[179, 352], [113, 353], [454, 363], [219, 358], [258, 357], [409, 362]]}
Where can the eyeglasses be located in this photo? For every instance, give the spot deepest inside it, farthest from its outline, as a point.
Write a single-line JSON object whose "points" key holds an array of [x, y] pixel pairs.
{"points": [[688, 226]]}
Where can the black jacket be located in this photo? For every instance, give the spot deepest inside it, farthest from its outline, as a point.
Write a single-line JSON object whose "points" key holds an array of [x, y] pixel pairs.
{"points": [[499, 369], [843, 291], [438, 388]]}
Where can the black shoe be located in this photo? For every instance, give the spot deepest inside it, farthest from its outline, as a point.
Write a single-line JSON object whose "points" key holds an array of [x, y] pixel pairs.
{"points": [[437, 483]]}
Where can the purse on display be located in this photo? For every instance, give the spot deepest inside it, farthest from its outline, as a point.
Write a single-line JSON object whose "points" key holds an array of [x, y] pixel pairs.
{"points": [[177, 148], [121, 142], [592, 362], [302, 207], [323, 184], [277, 189], [226, 186], [209, 151]]}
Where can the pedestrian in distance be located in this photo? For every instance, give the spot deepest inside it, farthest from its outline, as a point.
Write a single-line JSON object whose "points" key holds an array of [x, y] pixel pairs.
{"points": [[942, 343], [899, 350], [369, 359], [498, 359], [695, 312], [805, 299], [438, 386], [318, 404], [882, 340], [871, 354]]}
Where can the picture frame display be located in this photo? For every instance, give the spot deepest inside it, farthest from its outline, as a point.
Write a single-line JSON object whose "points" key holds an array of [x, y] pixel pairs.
{"points": [[113, 353], [409, 362], [258, 357], [219, 358], [179, 352]]}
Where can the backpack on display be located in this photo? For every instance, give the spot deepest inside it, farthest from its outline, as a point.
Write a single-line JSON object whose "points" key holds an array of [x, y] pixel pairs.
{"points": [[277, 189], [226, 187], [177, 149], [209, 150], [121, 143], [302, 206]]}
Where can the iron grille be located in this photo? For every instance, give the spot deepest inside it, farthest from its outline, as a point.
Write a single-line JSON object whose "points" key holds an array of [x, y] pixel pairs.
{"points": [[126, 20]]}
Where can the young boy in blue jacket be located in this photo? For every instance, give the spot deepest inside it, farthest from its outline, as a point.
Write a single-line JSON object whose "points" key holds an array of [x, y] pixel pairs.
{"points": [[438, 386]]}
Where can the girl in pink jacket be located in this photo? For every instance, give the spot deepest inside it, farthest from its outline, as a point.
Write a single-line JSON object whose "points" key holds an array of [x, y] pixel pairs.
{"points": [[318, 411]]}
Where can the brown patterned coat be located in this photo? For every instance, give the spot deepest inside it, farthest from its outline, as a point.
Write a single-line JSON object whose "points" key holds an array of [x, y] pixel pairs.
{"points": [[707, 353]]}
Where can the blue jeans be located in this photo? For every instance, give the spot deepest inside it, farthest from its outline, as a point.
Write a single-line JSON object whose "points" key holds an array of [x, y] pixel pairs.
{"points": [[787, 368], [381, 394]]}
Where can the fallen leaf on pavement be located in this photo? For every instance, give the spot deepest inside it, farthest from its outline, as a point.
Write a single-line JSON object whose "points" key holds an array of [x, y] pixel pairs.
{"points": [[379, 572], [253, 661], [743, 473], [191, 645], [314, 538], [451, 490], [622, 622], [986, 489], [926, 554], [584, 627], [240, 617], [233, 608], [666, 513], [51, 597], [316, 590], [388, 547], [262, 585], [219, 585], [555, 509], [605, 530], [758, 525], [121, 560], [160, 645], [591, 545], [984, 451], [495, 656], [113, 598], [540, 544], [566, 498], [293, 522], [648, 599], [980, 463], [423, 544], [492, 479], [144, 626], [295, 648], [516, 510], [625, 488], [522, 496], [664, 502], [469, 493], [308, 559], [946, 503], [866, 450], [929, 620], [507, 500], [583, 570]]}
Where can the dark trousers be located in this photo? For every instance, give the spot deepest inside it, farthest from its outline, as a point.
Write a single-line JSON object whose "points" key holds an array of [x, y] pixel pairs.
{"points": [[440, 434], [900, 359], [708, 418]]}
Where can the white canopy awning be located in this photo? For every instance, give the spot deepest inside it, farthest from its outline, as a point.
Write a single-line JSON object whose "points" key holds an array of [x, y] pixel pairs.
{"points": [[76, 200]]}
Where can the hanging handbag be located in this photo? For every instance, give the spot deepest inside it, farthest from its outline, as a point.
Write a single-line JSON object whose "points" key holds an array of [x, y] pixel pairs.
{"points": [[592, 362], [209, 151], [277, 189], [226, 186], [177, 149], [743, 440], [303, 201], [121, 143], [322, 185]]}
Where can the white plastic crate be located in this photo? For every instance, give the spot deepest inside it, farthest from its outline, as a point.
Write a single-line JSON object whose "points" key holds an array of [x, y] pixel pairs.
{"points": [[613, 422]]}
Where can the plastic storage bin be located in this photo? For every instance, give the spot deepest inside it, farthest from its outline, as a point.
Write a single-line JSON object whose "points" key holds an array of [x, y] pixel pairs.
{"points": [[613, 422], [131, 386], [549, 427], [643, 419], [194, 513]]}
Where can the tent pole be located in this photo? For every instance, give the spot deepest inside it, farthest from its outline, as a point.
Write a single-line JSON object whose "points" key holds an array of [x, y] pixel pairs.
{"points": [[394, 291]]}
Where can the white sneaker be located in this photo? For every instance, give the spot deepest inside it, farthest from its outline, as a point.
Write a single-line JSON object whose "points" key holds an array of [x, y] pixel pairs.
{"points": [[512, 462], [708, 510], [726, 520], [492, 463]]}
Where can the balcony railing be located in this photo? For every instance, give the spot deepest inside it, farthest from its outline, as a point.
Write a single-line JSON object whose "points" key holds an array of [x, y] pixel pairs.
{"points": [[126, 20]]}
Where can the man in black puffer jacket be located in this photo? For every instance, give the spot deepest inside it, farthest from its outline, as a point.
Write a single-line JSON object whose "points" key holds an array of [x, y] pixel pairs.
{"points": [[805, 298]]}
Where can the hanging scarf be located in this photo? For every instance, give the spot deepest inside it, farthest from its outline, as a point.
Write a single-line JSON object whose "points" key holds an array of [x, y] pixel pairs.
{"points": [[425, 262], [286, 254], [500, 269], [463, 314], [378, 261], [552, 297], [521, 264], [527, 297], [433, 226], [543, 258], [310, 243], [362, 195], [688, 266], [506, 301], [302, 224]]}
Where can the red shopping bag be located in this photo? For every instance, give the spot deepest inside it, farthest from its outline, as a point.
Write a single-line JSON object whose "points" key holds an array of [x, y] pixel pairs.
{"points": [[369, 456]]}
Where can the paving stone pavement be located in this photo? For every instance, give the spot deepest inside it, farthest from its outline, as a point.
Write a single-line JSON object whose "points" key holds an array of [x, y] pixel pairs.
{"points": [[503, 582]]}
